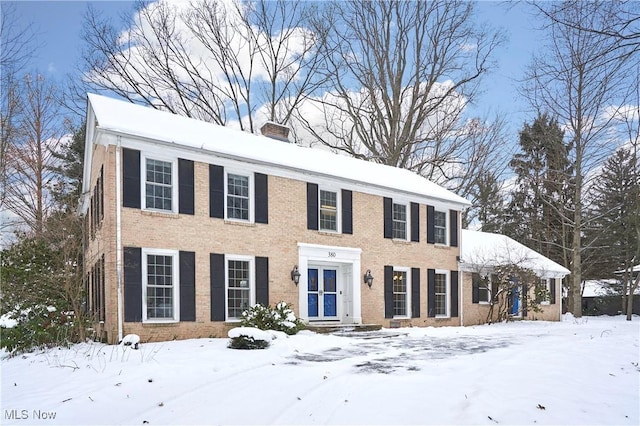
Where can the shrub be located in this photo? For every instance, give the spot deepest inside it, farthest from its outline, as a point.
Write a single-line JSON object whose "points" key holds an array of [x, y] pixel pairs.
{"points": [[36, 328], [247, 342], [279, 318]]}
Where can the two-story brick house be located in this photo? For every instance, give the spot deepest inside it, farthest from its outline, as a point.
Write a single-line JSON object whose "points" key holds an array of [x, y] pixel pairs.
{"points": [[189, 223]]}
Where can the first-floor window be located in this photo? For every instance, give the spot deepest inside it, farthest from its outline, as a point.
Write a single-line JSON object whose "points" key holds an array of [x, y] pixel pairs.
{"points": [[484, 287], [546, 289], [440, 225], [239, 287], [400, 294], [160, 286], [441, 288]]}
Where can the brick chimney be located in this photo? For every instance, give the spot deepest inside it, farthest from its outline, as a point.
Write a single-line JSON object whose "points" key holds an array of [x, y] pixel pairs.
{"points": [[275, 131]]}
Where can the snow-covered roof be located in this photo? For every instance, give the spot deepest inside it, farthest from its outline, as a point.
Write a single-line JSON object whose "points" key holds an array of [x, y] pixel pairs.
{"points": [[635, 270], [143, 122], [481, 251]]}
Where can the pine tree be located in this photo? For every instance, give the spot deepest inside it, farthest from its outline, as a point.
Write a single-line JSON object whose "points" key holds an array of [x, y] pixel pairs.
{"points": [[615, 205], [490, 202], [540, 202]]}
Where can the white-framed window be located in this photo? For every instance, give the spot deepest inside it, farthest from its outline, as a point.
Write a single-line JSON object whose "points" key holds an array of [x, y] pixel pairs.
{"points": [[545, 284], [442, 293], [400, 223], [328, 214], [401, 293], [160, 288], [440, 225], [159, 183], [238, 196], [240, 285], [484, 287]]}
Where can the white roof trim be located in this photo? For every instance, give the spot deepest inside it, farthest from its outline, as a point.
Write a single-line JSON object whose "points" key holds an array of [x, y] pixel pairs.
{"points": [[483, 251]]}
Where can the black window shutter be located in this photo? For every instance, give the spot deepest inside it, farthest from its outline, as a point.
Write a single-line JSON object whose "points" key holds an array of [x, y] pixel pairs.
{"points": [[415, 292], [454, 294], [453, 228], [312, 206], [216, 191], [388, 217], [431, 226], [415, 222], [185, 187], [388, 291], [101, 192], [132, 284], [218, 299], [494, 287], [475, 287], [130, 178], [262, 280], [347, 212], [552, 288], [187, 286], [431, 293], [261, 198], [525, 289]]}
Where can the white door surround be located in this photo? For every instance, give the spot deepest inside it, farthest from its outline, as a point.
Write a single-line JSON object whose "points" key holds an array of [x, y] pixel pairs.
{"points": [[346, 261]]}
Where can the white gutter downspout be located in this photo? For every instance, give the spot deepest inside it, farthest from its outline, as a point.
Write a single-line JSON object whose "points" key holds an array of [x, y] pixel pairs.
{"points": [[119, 240], [461, 293]]}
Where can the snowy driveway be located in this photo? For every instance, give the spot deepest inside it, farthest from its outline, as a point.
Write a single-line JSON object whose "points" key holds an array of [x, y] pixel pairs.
{"points": [[387, 351]]}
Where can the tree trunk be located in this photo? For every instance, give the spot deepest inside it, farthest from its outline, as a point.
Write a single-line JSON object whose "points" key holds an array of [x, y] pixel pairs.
{"points": [[632, 288]]}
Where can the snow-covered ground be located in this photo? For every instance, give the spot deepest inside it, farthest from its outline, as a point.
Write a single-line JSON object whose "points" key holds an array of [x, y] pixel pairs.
{"points": [[575, 372]]}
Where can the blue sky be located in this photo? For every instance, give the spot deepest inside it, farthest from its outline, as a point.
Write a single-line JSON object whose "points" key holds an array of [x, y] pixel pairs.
{"points": [[58, 26]]}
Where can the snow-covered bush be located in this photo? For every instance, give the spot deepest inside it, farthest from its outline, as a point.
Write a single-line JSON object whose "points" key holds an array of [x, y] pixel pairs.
{"points": [[279, 318], [249, 338], [36, 327]]}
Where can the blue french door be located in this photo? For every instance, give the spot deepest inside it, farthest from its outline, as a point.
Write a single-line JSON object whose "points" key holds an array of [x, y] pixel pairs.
{"points": [[322, 294], [514, 302]]}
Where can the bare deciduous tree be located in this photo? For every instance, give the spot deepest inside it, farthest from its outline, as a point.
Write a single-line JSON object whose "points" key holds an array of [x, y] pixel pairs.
{"points": [[578, 79], [30, 163], [400, 74], [16, 47], [222, 62]]}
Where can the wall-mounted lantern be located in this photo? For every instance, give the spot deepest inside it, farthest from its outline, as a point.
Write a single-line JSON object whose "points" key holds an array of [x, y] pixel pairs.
{"points": [[295, 275], [368, 278]]}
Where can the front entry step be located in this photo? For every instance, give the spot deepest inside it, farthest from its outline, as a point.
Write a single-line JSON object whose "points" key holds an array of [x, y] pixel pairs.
{"points": [[351, 328]]}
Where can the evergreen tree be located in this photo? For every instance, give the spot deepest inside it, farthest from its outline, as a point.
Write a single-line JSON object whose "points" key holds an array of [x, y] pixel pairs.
{"points": [[71, 155], [490, 201], [615, 206], [540, 203]]}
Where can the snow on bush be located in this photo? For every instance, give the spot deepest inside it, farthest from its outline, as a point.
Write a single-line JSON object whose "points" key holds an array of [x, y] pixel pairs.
{"points": [[132, 340], [279, 318], [249, 338]]}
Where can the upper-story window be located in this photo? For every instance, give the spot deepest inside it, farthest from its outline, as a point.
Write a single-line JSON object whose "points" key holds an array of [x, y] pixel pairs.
{"points": [[238, 193], [400, 221], [158, 185], [328, 211], [156, 182], [440, 224]]}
